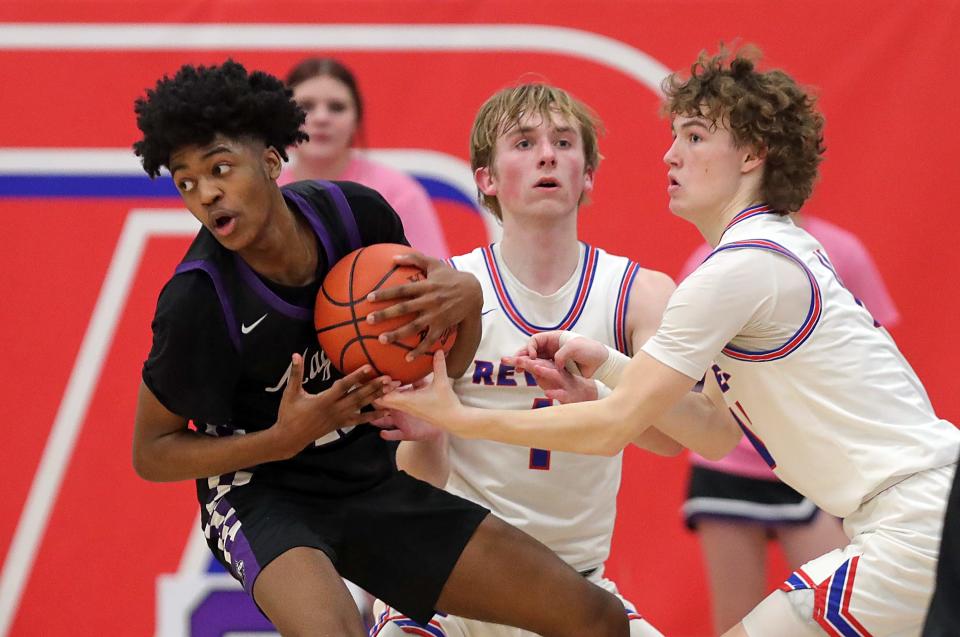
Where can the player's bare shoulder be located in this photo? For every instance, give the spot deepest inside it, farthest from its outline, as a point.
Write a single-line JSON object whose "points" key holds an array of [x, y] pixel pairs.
{"points": [[649, 294]]}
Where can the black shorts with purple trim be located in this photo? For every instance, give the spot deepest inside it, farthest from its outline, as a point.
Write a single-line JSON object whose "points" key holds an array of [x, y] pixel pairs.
{"points": [[719, 495], [398, 540]]}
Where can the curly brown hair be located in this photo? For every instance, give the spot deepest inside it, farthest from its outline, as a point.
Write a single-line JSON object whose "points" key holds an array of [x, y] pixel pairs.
{"points": [[765, 110]]}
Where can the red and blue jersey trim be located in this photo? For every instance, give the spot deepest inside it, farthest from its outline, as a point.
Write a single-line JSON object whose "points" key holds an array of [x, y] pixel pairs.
{"points": [[623, 303], [814, 311], [406, 625], [754, 439], [748, 213], [587, 275], [831, 599], [798, 581]]}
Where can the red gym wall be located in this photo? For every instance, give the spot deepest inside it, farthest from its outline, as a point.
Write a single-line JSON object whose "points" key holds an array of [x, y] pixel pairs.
{"points": [[87, 545]]}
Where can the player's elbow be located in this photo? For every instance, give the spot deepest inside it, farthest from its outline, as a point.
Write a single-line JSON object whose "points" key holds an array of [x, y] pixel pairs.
{"points": [[669, 449], [615, 434], [144, 463], [722, 444]]}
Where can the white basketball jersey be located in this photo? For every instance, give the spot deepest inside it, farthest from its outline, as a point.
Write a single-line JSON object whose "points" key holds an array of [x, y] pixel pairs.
{"points": [[567, 501], [836, 411]]}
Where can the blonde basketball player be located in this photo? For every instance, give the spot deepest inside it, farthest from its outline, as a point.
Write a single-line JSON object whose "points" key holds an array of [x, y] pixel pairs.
{"points": [[534, 154], [803, 370]]}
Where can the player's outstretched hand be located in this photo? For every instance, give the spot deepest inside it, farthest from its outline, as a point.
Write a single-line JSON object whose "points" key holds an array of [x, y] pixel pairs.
{"points": [[399, 426], [436, 404], [304, 417], [441, 301], [557, 383], [567, 350]]}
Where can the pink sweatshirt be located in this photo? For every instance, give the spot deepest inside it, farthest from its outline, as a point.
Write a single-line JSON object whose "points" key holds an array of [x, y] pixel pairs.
{"points": [[859, 274], [420, 221]]}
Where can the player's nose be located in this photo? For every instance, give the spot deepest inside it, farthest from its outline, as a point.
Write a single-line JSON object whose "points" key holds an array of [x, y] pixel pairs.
{"points": [[671, 158], [547, 153], [210, 192]]}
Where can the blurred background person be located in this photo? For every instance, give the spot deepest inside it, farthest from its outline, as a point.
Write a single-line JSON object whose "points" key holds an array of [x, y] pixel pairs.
{"points": [[327, 90], [735, 505]]}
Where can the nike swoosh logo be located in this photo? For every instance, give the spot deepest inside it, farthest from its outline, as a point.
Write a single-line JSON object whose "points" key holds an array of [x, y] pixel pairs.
{"points": [[246, 329], [493, 309]]}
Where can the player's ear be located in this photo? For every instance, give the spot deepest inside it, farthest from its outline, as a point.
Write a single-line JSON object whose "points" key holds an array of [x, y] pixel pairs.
{"points": [[272, 162], [588, 180], [484, 179], [753, 158]]}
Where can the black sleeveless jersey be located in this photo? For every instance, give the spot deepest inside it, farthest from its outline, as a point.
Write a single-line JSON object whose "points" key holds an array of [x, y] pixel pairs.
{"points": [[223, 337]]}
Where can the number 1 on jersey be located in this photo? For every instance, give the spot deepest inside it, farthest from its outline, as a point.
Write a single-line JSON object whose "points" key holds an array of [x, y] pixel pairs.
{"points": [[540, 458]]}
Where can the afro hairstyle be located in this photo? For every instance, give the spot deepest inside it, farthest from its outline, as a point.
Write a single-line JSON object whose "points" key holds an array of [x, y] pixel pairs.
{"points": [[199, 103]]}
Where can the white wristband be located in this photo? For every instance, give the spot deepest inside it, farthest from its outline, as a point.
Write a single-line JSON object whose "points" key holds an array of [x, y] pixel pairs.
{"points": [[609, 373], [611, 369]]}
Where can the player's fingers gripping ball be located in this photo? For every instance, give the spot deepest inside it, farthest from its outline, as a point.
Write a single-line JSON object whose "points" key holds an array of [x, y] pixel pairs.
{"points": [[342, 307]]}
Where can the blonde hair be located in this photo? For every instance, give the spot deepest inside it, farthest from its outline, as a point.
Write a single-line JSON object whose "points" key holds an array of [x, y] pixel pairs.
{"points": [[502, 111]]}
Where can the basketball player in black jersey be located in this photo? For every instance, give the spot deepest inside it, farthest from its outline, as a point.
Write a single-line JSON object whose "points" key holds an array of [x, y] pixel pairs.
{"points": [[295, 488], [943, 617]]}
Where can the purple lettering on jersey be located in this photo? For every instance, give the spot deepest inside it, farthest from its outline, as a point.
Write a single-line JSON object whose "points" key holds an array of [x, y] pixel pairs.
{"points": [[505, 376], [722, 378], [482, 371], [530, 378], [540, 458]]}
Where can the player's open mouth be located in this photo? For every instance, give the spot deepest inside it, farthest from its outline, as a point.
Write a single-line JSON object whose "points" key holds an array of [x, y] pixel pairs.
{"points": [[547, 183], [223, 224]]}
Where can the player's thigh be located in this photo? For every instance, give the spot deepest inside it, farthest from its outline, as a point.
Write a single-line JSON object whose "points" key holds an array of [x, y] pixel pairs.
{"points": [[735, 553], [401, 540], [803, 542], [302, 594], [505, 576]]}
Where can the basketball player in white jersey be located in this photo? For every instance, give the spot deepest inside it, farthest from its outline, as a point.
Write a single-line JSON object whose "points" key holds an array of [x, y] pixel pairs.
{"points": [[534, 154], [796, 362]]}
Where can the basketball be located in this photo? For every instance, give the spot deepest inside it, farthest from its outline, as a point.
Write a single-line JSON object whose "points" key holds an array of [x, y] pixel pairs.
{"points": [[341, 315]]}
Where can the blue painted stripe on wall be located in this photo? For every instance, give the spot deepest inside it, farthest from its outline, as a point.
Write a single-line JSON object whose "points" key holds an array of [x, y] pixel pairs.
{"points": [[126, 186]]}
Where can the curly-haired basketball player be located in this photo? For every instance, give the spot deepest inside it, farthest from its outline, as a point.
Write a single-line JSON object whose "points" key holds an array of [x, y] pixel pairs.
{"points": [[295, 488], [798, 365]]}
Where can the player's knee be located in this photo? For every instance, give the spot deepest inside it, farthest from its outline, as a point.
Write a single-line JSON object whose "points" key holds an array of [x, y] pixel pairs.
{"points": [[788, 614], [602, 614]]}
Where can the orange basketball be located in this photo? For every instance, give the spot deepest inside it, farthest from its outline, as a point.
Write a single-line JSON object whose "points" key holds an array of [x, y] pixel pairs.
{"points": [[341, 315]]}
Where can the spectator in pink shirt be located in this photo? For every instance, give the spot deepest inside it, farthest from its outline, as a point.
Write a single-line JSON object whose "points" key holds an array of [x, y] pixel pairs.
{"points": [[736, 504], [328, 92]]}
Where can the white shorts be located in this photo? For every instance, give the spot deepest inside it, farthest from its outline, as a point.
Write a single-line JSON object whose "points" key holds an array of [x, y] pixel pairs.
{"points": [[881, 583], [389, 622]]}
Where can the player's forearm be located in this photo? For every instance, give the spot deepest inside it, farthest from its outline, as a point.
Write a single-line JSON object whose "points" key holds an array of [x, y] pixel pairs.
{"points": [[701, 426], [427, 460], [187, 455], [595, 427], [468, 339]]}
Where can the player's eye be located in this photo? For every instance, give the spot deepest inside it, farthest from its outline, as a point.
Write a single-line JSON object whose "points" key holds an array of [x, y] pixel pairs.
{"points": [[564, 143], [337, 106], [186, 185], [523, 143], [694, 138], [220, 170]]}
